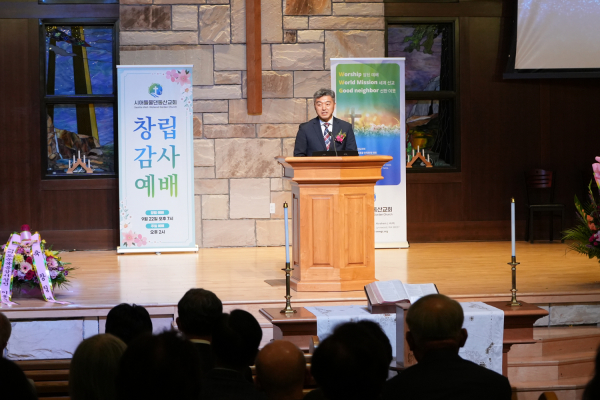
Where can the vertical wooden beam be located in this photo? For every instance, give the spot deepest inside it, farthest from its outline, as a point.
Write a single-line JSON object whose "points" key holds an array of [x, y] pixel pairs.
{"points": [[253, 57]]}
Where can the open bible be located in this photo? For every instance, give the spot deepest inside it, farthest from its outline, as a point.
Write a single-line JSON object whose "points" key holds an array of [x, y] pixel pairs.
{"points": [[383, 296]]}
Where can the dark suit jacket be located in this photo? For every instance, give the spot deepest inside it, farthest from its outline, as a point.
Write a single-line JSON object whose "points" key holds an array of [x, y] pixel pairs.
{"points": [[206, 357], [445, 375], [310, 137], [227, 384]]}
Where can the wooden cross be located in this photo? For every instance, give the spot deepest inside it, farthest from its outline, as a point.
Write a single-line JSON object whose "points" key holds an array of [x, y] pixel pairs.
{"points": [[253, 57], [352, 116]]}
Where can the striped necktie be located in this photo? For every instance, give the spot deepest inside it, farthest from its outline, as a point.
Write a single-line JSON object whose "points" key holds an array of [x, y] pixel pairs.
{"points": [[326, 135]]}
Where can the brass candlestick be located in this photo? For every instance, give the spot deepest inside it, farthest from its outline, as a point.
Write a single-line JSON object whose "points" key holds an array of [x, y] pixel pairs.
{"points": [[288, 304], [514, 263]]}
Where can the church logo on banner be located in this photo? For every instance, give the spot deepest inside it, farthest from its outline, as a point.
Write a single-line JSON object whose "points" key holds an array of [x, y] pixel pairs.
{"points": [[156, 159], [370, 95]]}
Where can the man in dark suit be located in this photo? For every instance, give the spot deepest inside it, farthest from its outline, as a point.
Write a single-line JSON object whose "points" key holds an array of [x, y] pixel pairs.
{"points": [[435, 335], [325, 132]]}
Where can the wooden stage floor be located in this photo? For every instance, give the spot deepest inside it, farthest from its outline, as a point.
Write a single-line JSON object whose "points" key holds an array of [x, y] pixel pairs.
{"points": [[467, 271]]}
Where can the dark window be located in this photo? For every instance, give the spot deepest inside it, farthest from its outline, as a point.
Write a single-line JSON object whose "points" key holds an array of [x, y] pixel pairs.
{"points": [[79, 97], [431, 89]]}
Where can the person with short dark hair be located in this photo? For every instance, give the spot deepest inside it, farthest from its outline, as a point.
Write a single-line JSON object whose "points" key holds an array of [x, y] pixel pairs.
{"points": [[325, 132], [128, 321], [5, 331], [94, 368], [235, 344], [353, 362], [199, 311], [435, 336], [592, 389], [15, 385], [281, 371], [164, 366]]}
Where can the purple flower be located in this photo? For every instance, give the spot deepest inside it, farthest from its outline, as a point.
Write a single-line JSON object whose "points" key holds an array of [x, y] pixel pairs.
{"points": [[20, 274], [53, 274], [60, 268], [15, 273], [66, 273]]}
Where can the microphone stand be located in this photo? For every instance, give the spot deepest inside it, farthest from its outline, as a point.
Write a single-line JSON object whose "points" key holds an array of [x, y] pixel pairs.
{"points": [[333, 137]]}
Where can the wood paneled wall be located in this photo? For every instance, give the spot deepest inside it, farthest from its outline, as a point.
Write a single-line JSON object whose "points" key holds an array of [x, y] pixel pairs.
{"points": [[506, 128], [73, 214]]}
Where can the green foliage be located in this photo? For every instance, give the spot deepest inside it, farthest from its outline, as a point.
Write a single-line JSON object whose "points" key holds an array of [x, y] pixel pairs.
{"points": [[589, 217], [422, 32]]}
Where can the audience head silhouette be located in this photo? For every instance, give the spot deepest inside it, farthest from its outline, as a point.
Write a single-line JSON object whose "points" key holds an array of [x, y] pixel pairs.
{"points": [[128, 321], [236, 340], [163, 366], [5, 331], [94, 368], [353, 362], [592, 390], [199, 311], [435, 322], [16, 386], [281, 370]]}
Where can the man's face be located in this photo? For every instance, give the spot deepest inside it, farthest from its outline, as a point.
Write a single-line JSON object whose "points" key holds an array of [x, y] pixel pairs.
{"points": [[324, 107]]}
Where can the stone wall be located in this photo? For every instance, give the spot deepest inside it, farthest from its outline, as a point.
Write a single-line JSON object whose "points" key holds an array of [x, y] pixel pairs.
{"points": [[236, 177]]}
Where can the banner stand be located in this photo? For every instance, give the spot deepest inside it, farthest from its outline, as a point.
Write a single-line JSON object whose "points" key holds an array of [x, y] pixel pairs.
{"points": [[370, 94]]}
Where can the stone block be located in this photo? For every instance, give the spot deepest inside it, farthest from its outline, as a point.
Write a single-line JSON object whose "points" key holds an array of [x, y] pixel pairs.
{"points": [[211, 106], [204, 172], [289, 37], [228, 233], [136, 2], [214, 24], [288, 147], [276, 184], [287, 184], [277, 130], [358, 9], [185, 18], [211, 186], [279, 198], [238, 21], [228, 78], [348, 44], [215, 207], [200, 56], [215, 118], [574, 314], [307, 7], [275, 111], [217, 92], [204, 153], [364, 1], [230, 57], [295, 22], [197, 127], [311, 36], [198, 219], [90, 327], [41, 340], [306, 83], [229, 131], [265, 50], [159, 38], [271, 30], [217, 1], [249, 198], [346, 23], [272, 232], [145, 18], [274, 84], [176, 1], [247, 158], [297, 56]]}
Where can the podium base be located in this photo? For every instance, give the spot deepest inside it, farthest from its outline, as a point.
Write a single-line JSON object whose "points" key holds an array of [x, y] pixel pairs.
{"points": [[330, 286]]}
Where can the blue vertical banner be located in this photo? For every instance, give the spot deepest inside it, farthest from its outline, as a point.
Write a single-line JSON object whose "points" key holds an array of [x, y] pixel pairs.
{"points": [[156, 159], [370, 95]]}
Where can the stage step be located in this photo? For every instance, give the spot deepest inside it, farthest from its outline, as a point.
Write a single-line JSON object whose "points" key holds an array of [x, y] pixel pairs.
{"points": [[544, 368], [559, 340], [565, 389]]}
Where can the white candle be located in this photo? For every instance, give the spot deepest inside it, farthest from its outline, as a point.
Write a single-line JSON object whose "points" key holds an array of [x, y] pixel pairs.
{"points": [[84, 158], [73, 158], [413, 153], [428, 158], [89, 165], [512, 226], [78, 154], [423, 152], [69, 163], [287, 239], [418, 149]]}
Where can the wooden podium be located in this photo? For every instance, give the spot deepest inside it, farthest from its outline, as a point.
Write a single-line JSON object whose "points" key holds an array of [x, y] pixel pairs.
{"points": [[333, 221]]}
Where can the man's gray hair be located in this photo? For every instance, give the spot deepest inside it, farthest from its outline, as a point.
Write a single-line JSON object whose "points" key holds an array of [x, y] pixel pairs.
{"points": [[435, 317], [323, 92]]}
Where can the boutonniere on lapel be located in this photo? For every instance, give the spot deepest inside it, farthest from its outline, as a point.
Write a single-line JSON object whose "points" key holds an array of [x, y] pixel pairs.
{"points": [[340, 137]]}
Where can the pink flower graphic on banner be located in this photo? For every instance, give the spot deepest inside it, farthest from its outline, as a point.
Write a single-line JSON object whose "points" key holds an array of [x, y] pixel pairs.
{"points": [[184, 78], [172, 75], [140, 241], [128, 238]]}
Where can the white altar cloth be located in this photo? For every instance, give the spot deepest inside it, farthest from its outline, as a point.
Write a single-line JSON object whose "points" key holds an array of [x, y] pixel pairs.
{"points": [[484, 324]]}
